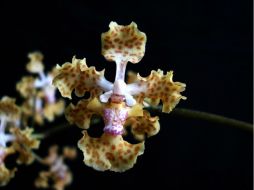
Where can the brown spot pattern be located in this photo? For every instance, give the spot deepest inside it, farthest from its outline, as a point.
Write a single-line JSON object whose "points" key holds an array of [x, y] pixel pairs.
{"points": [[143, 126], [161, 87], [117, 156], [126, 41], [82, 113], [79, 77]]}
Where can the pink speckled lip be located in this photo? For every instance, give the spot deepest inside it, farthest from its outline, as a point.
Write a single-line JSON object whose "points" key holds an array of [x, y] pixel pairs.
{"points": [[114, 120], [112, 131]]}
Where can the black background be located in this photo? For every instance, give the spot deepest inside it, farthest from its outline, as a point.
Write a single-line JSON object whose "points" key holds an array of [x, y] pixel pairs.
{"points": [[208, 44]]}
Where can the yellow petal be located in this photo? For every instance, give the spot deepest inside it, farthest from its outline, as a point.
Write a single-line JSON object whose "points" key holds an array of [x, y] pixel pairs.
{"points": [[109, 152], [77, 75], [82, 113], [69, 152], [131, 77], [42, 181], [26, 86], [9, 109], [23, 144], [135, 111], [54, 72], [54, 109], [161, 87], [35, 65], [126, 42], [143, 126]]}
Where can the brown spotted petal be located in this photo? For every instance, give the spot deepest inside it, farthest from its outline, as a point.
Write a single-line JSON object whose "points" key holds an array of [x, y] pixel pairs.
{"points": [[82, 113], [161, 87], [26, 86], [9, 109], [124, 42], [144, 126], [109, 152], [77, 75], [54, 72], [54, 109], [35, 65], [24, 144]]}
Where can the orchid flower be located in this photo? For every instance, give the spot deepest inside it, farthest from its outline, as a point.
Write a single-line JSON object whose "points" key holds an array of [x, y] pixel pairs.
{"points": [[13, 139], [58, 173], [39, 92], [118, 103]]}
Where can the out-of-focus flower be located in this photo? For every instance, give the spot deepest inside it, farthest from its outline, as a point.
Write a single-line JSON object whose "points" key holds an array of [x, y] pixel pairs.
{"points": [[26, 87], [119, 104], [22, 140], [39, 92], [59, 172], [35, 64], [24, 143]]}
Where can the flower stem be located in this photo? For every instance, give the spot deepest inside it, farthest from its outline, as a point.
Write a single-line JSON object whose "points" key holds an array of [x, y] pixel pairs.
{"points": [[56, 129], [62, 127], [209, 117], [36, 156]]}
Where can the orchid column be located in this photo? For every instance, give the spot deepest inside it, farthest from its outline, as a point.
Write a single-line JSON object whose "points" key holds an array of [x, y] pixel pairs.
{"points": [[122, 44]]}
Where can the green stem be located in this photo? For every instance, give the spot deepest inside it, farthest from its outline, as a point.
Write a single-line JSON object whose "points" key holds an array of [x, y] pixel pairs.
{"points": [[56, 130], [36, 156], [62, 127], [209, 117], [38, 135]]}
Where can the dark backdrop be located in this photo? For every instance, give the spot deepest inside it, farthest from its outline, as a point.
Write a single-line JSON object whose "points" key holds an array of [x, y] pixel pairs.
{"points": [[208, 44]]}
